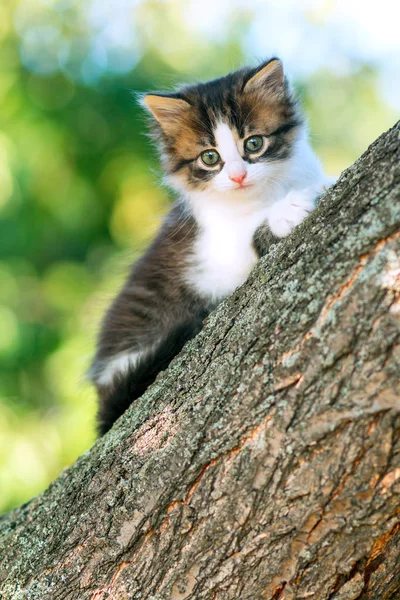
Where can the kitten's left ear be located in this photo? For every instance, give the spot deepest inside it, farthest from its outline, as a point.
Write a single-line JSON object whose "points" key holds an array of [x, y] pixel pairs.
{"points": [[269, 76], [168, 110]]}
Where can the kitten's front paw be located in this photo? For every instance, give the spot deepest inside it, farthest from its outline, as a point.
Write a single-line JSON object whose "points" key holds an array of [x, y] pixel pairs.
{"points": [[292, 210]]}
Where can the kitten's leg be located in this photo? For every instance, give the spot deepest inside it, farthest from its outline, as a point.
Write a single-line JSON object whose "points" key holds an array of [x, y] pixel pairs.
{"points": [[293, 209], [120, 387], [119, 364], [263, 238]]}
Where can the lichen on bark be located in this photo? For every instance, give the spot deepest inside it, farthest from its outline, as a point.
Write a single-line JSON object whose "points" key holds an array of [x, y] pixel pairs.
{"points": [[265, 462]]}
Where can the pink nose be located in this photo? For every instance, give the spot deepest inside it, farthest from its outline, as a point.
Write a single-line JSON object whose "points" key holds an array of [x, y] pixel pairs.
{"points": [[238, 178]]}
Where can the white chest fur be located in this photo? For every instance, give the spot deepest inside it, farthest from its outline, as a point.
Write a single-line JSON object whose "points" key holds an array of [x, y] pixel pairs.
{"points": [[223, 254]]}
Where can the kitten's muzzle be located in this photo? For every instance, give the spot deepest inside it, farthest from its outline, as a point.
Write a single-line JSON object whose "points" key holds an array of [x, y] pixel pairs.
{"points": [[238, 178]]}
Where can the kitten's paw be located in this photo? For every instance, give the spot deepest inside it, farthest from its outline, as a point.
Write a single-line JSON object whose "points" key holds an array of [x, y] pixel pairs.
{"points": [[293, 209]]}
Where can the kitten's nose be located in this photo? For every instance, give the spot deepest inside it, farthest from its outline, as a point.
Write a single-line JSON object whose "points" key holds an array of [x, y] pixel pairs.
{"points": [[238, 178]]}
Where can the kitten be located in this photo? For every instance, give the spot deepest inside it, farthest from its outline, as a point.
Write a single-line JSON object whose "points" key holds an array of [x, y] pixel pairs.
{"points": [[236, 150]]}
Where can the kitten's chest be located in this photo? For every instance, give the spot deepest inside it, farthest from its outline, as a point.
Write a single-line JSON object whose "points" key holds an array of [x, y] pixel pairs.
{"points": [[223, 254]]}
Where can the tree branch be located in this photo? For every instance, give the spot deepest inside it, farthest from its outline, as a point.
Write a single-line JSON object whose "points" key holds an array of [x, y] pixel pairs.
{"points": [[265, 462]]}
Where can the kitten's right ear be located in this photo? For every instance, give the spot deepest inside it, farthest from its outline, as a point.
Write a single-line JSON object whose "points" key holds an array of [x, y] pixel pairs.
{"points": [[269, 76], [166, 109]]}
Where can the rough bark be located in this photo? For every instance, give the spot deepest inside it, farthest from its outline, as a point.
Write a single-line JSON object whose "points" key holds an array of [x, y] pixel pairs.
{"points": [[265, 462]]}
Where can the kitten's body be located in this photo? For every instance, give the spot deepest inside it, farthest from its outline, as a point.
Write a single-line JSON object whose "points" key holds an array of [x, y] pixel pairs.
{"points": [[207, 245]]}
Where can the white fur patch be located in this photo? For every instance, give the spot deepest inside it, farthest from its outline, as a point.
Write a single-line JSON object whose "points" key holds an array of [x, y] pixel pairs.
{"points": [[226, 143], [234, 165], [120, 363], [223, 255]]}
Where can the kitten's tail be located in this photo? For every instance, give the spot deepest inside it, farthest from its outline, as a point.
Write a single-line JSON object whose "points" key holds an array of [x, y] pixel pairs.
{"points": [[130, 385]]}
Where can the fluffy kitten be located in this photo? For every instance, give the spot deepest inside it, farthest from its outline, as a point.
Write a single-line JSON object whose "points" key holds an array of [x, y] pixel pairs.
{"points": [[236, 150]]}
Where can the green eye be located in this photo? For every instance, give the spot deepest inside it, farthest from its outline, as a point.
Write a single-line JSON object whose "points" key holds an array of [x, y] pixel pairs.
{"points": [[210, 158], [254, 143]]}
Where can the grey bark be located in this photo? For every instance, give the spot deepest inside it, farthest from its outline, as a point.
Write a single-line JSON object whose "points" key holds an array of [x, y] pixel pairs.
{"points": [[265, 462]]}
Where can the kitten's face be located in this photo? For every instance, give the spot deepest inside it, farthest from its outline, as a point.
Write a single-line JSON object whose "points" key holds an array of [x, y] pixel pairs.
{"points": [[230, 134]]}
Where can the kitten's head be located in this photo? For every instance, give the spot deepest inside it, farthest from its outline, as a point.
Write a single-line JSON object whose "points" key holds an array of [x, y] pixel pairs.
{"points": [[230, 134]]}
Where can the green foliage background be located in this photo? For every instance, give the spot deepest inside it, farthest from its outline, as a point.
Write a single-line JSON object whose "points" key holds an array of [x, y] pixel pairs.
{"points": [[80, 198]]}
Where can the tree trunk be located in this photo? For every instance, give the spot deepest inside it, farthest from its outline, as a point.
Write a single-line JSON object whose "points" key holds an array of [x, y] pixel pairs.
{"points": [[265, 462]]}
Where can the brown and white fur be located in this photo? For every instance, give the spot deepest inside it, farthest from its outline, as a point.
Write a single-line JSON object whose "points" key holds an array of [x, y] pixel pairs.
{"points": [[210, 240]]}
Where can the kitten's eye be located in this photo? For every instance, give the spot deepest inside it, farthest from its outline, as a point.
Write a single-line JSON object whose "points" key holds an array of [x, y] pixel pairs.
{"points": [[210, 158], [254, 144]]}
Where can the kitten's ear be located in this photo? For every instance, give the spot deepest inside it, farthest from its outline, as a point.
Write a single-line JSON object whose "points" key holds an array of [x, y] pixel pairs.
{"points": [[166, 109], [270, 77]]}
